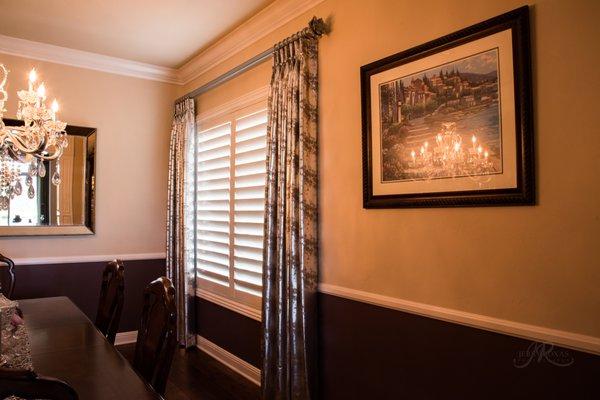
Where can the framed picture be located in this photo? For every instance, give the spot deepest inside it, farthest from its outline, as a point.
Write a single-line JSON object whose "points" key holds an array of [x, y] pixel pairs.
{"points": [[449, 123]]}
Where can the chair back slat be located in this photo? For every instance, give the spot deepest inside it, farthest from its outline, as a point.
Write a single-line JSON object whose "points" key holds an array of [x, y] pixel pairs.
{"points": [[112, 296], [157, 339]]}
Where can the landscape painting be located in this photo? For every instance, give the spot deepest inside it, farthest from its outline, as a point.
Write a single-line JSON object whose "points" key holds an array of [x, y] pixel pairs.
{"points": [[443, 122], [449, 123]]}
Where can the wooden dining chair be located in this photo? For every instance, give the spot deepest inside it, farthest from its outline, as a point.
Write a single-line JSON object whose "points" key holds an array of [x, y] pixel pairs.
{"points": [[11, 275], [111, 300], [157, 339], [28, 385]]}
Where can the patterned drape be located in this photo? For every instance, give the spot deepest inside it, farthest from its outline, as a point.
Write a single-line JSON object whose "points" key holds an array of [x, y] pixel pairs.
{"points": [[291, 242], [180, 218]]}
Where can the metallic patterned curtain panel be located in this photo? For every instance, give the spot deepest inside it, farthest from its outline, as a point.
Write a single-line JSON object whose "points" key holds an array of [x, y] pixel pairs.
{"points": [[291, 234], [180, 218]]}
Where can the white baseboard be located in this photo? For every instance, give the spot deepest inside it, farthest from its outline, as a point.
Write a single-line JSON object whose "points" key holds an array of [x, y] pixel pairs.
{"points": [[126, 338], [571, 340], [232, 361], [240, 366]]}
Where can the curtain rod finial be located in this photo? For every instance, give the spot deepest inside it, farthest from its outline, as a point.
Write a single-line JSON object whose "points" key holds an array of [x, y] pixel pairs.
{"points": [[318, 26]]}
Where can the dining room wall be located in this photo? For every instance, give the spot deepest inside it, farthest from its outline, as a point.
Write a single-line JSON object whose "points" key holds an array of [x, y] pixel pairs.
{"points": [[536, 265], [133, 118]]}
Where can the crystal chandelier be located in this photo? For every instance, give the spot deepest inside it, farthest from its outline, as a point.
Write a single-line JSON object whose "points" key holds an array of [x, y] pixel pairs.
{"points": [[449, 156], [41, 138]]}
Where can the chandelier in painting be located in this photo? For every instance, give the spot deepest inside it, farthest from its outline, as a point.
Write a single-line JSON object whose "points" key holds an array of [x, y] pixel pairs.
{"points": [[40, 138], [449, 156]]}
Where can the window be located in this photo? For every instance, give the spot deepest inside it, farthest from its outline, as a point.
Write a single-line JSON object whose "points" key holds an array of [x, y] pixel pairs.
{"points": [[230, 191], [22, 210]]}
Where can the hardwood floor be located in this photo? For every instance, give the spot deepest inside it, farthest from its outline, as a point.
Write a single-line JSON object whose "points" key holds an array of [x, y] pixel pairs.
{"points": [[196, 375]]}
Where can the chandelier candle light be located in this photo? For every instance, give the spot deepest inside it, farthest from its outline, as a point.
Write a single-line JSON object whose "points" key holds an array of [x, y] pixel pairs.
{"points": [[42, 137], [450, 157]]}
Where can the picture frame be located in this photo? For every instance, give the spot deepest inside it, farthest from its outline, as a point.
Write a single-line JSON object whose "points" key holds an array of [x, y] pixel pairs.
{"points": [[449, 123]]}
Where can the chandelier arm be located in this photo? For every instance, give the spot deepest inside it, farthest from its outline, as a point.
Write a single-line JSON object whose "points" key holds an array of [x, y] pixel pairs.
{"points": [[14, 155], [17, 141], [50, 157]]}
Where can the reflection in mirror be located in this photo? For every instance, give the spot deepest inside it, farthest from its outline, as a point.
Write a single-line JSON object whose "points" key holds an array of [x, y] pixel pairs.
{"points": [[51, 207]]}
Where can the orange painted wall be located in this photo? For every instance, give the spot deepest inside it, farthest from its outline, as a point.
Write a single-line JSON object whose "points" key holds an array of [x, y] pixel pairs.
{"points": [[537, 265]]}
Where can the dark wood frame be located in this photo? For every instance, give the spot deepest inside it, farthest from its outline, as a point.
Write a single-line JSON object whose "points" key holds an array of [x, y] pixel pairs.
{"points": [[157, 338], [90, 187], [109, 312], [524, 194]]}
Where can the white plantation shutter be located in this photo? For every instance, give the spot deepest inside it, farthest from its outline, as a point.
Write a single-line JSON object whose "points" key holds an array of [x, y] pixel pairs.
{"points": [[249, 201], [230, 202], [212, 204]]}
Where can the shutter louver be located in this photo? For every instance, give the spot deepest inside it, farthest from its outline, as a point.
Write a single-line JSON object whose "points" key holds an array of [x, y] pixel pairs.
{"points": [[249, 201], [212, 204]]}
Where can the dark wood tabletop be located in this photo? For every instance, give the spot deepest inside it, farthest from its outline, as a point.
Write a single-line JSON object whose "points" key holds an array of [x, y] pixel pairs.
{"points": [[66, 345]]}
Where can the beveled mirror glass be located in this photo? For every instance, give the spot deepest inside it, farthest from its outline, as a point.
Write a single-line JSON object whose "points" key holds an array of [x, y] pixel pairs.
{"points": [[64, 209]]}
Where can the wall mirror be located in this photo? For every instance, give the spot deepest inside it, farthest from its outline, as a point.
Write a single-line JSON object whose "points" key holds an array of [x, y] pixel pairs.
{"points": [[64, 209]]}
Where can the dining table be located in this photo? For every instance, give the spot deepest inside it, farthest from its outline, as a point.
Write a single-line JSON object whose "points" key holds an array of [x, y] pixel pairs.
{"points": [[67, 346]]}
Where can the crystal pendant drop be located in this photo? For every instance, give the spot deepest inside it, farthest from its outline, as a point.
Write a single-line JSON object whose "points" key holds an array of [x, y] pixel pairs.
{"points": [[33, 168], [41, 169], [56, 178], [31, 192], [28, 180], [4, 203], [18, 188]]}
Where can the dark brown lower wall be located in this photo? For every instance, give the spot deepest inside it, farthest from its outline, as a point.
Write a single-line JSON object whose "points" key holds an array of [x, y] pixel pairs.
{"points": [[366, 352], [81, 283], [234, 332], [369, 352]]}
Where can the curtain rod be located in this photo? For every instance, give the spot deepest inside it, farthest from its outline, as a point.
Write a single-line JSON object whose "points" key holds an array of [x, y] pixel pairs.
{"points": [[316, 26]]}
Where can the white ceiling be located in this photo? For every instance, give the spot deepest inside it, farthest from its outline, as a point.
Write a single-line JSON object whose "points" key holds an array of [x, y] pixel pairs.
{"points": [[160, 32]]}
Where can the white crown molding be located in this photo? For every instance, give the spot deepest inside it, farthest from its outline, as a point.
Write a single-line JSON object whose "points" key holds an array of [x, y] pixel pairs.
{"points": [[126, 338], [240, 366], [562, 338], [260, 25], [87, 259], [232, 305], [248, 99], [83, 59]]}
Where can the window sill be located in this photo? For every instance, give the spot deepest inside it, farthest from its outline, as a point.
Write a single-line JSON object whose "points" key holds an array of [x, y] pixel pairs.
{"points": [[232, 305]]}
